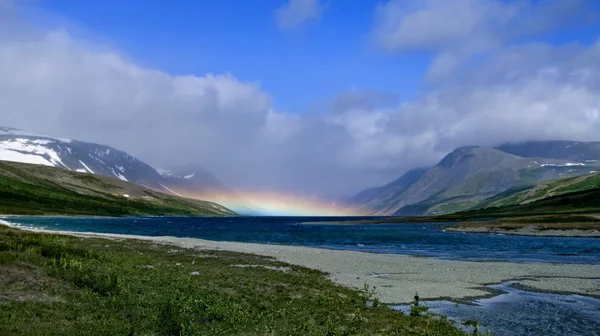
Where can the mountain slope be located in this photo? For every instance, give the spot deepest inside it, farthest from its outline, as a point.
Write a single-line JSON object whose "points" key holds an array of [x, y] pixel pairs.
{"points": [[469, 175], [557, 149], [84, 157], [29, 189], [379, 196], [543, 190], [573, 203], [192, 177]]}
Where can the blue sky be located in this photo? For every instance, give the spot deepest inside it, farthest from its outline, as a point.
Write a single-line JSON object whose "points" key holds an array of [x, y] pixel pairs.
{"points": [[299, 68]]}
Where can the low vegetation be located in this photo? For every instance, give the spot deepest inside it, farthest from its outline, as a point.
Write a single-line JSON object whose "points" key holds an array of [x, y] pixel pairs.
{"points": [[62, 285], [542, 190], [38, 190], [562, 206]]}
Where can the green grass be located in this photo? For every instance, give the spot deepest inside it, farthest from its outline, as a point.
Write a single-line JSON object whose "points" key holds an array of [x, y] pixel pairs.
{"points": [[37, 190], [522, 195], [581, 202], [62, 285]]}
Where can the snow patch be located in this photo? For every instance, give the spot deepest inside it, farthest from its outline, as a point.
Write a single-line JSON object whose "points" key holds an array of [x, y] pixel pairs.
{"points": [[80, 170], [170, 190], [95, 158], [164, 172], [126, 196], [121, 169], [568, 164], [86, 167], [121, 177], [187, 177], [30, 151]]}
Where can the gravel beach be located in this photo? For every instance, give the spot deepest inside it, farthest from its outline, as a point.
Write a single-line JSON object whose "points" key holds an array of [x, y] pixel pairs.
{"points": [[398, 277]]}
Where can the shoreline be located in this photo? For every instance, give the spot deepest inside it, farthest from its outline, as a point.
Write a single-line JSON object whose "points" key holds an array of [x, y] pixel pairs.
{"points": [[398, 277], [536, 230]]}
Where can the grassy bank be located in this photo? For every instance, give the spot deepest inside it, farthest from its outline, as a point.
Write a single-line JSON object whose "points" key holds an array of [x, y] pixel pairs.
{"points": [[62, 285], [38, 190], [531, 226]]}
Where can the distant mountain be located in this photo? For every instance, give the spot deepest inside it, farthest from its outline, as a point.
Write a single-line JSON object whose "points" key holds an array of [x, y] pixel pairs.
{"points": [[464, 178], [556, 149], [192, 177], [85, 157], [385, 196]]}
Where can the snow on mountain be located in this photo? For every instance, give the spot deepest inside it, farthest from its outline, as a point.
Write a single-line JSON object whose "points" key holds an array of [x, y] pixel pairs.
{"points": [[90, 158], [78, 156], [192, 177]]}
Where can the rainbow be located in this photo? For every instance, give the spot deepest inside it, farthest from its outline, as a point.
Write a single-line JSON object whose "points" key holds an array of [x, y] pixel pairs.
{"points": [[271, 204]]}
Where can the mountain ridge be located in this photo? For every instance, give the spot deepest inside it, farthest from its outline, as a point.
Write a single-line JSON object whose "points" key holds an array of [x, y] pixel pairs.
{"points": [[87, 157], [468, 175], [32, 189]]}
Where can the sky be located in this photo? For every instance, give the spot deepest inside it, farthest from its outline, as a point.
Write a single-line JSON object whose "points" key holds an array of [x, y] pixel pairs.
{"points": [[318, 98]]}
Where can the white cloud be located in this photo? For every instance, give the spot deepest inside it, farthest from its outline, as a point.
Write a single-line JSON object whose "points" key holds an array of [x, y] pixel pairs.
{"points": [[455, 30], [297, 12]]}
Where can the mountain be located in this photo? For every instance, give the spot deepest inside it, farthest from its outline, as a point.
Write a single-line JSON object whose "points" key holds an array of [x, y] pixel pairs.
{"points": [[378, 196], [543, 190], [193, 178], [464, 178], [85, 157], [32, 189], [558, 149]]}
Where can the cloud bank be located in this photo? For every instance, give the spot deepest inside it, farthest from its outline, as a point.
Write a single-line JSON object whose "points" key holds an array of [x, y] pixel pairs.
{"points": [[53, 83]]}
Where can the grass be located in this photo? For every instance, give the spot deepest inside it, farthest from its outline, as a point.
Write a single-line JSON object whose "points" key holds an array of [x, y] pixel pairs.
{"points": [[38, 190], [540, 222], [62, 285], [581, 202]]}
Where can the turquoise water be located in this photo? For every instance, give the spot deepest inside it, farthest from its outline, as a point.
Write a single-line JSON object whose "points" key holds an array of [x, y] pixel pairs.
{"points": [[515, 312]]}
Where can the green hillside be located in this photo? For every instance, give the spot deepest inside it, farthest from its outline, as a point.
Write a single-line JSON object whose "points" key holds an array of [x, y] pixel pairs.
{"points": [[39, 190], [525, 195], [561, 206]]}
